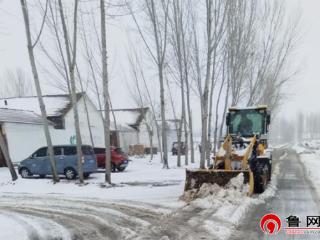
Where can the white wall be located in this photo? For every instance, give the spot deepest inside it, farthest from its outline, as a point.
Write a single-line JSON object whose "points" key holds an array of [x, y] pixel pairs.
{"points": [[127, 138], [23, 139], [62, 136]]}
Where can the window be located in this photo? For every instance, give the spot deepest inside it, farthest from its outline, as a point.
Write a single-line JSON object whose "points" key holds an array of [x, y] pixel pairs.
{"points": [[70, 151], [99, 150], [58, 122], [42, 152], [87, 150], [57, 151], [247, 122]]}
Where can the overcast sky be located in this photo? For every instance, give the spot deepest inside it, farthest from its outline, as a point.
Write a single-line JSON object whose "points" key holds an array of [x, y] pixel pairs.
{"points": [[304, 92]]}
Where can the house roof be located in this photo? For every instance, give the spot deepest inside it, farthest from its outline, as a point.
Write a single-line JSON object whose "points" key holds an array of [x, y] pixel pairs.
{"points": [[131, 117], [19, 116], [56, 105]]}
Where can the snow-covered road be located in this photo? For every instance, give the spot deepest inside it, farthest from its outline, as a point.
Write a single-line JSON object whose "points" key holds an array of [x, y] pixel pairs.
{"points": [[49, 218], [144, 204], [295, 196]]}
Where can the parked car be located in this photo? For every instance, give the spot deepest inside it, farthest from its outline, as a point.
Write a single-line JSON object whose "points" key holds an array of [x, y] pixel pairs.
{"points": [[66, 162], [119, 160], [175, 147]]}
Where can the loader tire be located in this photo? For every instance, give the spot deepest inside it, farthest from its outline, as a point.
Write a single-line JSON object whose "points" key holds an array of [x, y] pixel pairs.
{"points": [[261, 180]]}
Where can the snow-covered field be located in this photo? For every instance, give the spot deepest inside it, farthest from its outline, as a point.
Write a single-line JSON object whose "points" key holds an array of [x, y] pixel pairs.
{"points": [[144, 185]]}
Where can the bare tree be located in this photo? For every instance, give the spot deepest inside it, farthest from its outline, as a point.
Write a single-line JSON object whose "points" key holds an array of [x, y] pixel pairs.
{"points": [[37, 84], [105, 81], [215, 28], [179, 24], [275, 42], [17, 84], [71, 57], [5, 153], [141, 99], [138, 73], [159, 25]]}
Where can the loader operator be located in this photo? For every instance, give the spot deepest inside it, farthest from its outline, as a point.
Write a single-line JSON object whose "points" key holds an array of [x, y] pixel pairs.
{"points": [[245, 126]]}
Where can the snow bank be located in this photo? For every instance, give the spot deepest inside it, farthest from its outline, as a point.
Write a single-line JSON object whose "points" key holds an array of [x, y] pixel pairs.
{"points": [[309, 153]]}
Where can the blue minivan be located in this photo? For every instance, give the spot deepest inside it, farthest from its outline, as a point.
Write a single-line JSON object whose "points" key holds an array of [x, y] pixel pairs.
{"points": [[65, 157]]}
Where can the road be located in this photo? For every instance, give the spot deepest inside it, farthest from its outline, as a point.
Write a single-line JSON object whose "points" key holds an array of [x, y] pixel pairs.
{"points": [[52, 218], [295, 196]]}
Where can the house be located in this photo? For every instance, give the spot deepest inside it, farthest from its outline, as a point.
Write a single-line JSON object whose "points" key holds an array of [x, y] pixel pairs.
{"points": [[21, 123], [131, 125], [172, 127], [19, 128]]}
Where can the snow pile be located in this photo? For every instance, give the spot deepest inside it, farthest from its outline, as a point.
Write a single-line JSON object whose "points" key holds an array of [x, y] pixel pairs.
{"points": [[302, 148], [227, 206], [310, 157]]}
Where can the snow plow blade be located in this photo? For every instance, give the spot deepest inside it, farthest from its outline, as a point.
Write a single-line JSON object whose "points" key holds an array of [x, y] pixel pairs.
{"points": [[195, 178]]}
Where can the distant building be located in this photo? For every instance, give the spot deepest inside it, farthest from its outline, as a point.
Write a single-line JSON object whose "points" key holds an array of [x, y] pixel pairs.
{"points": [[131, 126]]}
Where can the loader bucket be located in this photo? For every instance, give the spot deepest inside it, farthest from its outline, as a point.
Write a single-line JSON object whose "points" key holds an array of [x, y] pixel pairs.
{"points": [[195, 178]]}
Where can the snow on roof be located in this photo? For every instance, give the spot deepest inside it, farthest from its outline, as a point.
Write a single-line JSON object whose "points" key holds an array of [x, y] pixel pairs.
{"points": [[248, 108], [131, 117], [56, 105], [19, 116]]}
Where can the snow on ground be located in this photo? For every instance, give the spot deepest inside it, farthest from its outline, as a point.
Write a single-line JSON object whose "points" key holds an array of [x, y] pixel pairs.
{"points": [[10, 226], [147, 182], [142, 181], [310, 157]]}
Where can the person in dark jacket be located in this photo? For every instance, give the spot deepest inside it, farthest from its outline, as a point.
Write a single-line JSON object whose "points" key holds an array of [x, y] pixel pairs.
{"points": [[245, 126]]}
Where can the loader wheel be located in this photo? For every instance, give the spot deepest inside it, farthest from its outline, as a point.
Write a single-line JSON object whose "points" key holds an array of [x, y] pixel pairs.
{"points": [[220, 165], [261, 180]]}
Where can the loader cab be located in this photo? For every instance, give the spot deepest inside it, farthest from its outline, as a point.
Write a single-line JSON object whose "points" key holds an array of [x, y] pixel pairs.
{"points": [[248, 122]]}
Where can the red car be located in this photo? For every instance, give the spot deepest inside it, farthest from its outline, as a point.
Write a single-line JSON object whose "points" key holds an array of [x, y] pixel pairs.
{"points": [[119, 160]]}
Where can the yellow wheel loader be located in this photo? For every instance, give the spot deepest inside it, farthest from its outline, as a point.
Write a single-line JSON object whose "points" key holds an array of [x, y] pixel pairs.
{"points": [[243, 150]]}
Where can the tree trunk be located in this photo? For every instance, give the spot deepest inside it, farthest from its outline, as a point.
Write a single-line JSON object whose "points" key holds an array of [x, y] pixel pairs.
{"points": [[5, 153], [186, 144], [190, 121], [105, 80], [209, 145], [215, 136], [86, 108], [38, 90], [224, 109], [72, 64], [163, 121], [150, 134], [205, 93]]}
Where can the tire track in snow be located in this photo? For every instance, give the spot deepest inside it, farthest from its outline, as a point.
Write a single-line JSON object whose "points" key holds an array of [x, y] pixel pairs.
{"points": [[97, 220], [37, 228]]}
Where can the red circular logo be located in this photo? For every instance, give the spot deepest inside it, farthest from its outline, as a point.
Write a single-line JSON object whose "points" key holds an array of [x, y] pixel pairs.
{"points": [[270, 224]]}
